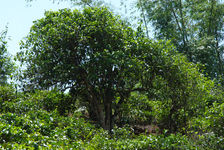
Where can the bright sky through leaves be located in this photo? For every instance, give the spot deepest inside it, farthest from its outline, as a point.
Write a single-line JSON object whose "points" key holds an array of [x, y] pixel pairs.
{"points": [[19, 16]]}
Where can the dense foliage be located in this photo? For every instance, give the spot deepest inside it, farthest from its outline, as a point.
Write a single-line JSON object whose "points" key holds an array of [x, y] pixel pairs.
{"points": [[90, 81], [26, 122], [103, 62]]}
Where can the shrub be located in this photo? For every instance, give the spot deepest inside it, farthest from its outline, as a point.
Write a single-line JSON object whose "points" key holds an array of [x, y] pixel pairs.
{"points": [[7, 93]]}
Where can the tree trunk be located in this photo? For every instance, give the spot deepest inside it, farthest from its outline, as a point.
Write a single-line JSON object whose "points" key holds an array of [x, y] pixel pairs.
{"points": [[108, 109], [108, 117], [96, 112]]}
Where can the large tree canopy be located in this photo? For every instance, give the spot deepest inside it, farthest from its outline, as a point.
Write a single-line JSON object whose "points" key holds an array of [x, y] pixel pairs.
{"points": [[102, 61], [90, 52], [194, 27]]}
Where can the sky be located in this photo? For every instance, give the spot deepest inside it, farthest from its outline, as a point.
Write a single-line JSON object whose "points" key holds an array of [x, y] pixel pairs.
{"points": [[19, 15]]}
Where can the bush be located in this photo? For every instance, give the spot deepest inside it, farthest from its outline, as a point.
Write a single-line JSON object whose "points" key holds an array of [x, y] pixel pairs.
{"points": [[47, 100], [211, 121], [48, 130], [138, 110], [7, 93]]}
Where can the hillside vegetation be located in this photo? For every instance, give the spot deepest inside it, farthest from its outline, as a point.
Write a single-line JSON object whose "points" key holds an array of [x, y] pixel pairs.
{"points": [[91, 82], [42, 120]]}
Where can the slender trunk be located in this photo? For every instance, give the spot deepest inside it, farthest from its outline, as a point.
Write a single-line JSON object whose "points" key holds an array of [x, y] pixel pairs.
{"points": [[220, 68], [184, 32], [209, 32], [182, 28], [144, 18], [218, 53]]}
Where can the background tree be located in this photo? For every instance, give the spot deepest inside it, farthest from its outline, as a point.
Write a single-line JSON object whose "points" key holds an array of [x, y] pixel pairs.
{"points": [[6, 65], [194, 27], [176, 84]]}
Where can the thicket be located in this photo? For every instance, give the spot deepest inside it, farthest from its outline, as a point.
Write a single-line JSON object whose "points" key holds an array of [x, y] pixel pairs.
{"points": [[27, 122]]}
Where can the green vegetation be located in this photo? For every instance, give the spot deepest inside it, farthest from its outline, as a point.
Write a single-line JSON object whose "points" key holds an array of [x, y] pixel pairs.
{"points": [[6, 64], [194, 27], [27, 122], [90, 81]]}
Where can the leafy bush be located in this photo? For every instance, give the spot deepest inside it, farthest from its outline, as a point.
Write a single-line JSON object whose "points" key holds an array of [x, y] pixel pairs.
{"points": [[51, 100], [47, 100], [7, 93], [10, 133], [138, 110], [211, 121]]}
